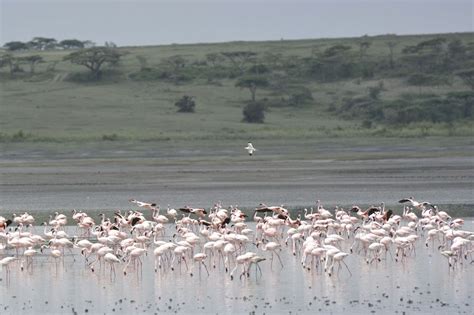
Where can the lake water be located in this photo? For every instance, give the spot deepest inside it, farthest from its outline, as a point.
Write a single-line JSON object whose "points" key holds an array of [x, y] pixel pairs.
{"points": [[423, 284]]}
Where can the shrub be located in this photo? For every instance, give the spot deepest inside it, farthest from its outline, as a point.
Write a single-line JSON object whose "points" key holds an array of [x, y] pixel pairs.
{"points": [[300, 96], [367, 124], [111, 137], [427, 80], [150, 74], [218, 72], [186, 104], [374, 92], [259, 69], [254, 112], [19, 136]]}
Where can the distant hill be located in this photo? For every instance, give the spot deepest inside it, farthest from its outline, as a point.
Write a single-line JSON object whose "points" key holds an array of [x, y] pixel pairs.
{"points": [[384, 86]]}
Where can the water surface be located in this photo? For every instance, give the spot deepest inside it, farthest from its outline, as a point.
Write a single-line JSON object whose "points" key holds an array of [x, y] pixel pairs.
{"points": [[423, 284]]}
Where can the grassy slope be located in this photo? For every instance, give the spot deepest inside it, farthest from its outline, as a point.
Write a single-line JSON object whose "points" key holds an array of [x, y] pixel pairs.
{"points": [[58, 110]]}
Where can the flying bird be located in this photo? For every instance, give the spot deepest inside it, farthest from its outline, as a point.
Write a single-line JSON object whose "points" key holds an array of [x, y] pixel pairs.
{"points": [[200, 212], [250, 149], [142, 204], [415, 203], [278, 210]]}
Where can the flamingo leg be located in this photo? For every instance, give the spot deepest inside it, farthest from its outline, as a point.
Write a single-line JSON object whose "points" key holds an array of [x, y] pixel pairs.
{"points": [[206, 268], [279, 259]]}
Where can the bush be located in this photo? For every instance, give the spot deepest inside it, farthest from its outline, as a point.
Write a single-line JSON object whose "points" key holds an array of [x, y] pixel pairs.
{"points": [[150, 74], [186, 104], [87, 77], [254, 112], [374, 92], [363, 107], [427, 80], [20, 136], [111, 137], [367, 124], [259, 69], [300, 96], [218, 72]]}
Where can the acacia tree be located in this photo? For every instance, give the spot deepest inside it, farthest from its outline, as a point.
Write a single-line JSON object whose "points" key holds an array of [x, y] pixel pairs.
{"points": [[252, 83], [88, 43], [416, 56], [273, 59], [71, 44], [143, 62], [15, 46], [94, 58], [364, 45], [466, 100], [426, 55], [8, 60], [391, 46], [42, 43], [329, 65], [456, 49], [214, 59], [177, 62], [32, 61], [239, 58]]}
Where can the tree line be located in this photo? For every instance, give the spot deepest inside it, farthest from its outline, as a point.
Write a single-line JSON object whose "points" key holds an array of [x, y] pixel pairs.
{"points": [[46, 43]]}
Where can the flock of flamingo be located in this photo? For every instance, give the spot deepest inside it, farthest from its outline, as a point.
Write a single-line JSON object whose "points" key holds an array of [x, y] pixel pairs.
{"points": [[221, 238]]}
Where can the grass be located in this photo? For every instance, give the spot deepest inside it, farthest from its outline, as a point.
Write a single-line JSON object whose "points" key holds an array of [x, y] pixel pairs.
{"points": [[52, 109]]}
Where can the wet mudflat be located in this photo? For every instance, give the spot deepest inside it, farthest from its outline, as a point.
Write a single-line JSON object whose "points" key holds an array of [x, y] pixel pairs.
{"points": [[108, 184], [422, 284]]}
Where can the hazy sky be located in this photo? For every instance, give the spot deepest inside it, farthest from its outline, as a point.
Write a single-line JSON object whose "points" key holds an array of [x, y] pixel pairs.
{"points": [[147, 22]]}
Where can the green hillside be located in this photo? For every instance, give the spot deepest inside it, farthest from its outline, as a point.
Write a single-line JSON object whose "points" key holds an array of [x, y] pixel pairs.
{"points": [[317, 88]]}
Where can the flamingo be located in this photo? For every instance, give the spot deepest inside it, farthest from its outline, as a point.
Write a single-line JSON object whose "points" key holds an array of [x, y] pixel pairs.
{"points": [[5, 263], [158, 217], [280, 211], [229, 250], [112, 260], [200, 212], [273, 246], [28, 254], [256, 260], [180, 252], [159, 252], [200, 257], [4, 223], [134, 256], [172, 213], [367, 213], [339, 258], [101, 252], [242, 260], [416, 204]]}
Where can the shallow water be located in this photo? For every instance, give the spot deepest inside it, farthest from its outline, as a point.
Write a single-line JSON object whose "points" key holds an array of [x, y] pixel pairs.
{"points": [[423, 284]]}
